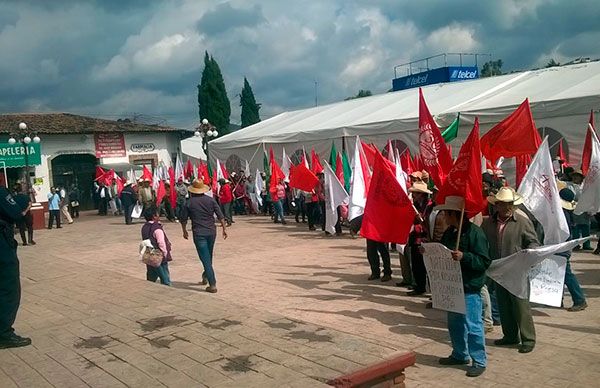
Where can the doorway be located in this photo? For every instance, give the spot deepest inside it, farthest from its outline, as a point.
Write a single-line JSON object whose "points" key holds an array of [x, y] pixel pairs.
{"points": [[78, 170]]}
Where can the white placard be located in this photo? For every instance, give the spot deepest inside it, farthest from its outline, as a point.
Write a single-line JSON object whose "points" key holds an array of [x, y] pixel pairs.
{"points": [[445, 278], [547, 281]]}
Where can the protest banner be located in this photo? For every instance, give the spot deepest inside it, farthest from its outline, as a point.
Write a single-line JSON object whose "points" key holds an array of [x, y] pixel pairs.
{"points": [[445, 278], [547, 280]]}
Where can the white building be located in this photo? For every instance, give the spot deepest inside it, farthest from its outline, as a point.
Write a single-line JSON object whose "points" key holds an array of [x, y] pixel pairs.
{"points": [[72, 146]]}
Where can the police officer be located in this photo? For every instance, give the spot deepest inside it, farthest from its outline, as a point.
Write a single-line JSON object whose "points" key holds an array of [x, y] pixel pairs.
{"points": [[10, 286]]}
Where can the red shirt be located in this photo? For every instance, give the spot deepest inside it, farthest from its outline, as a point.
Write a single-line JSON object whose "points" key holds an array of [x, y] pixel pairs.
{"points": [[225, 195]]}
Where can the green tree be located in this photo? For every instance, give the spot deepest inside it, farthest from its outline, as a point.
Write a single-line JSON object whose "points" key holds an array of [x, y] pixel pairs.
{"points": [[552, 63], [213, 103], [249, 106], [491, 68], [361, 93]]}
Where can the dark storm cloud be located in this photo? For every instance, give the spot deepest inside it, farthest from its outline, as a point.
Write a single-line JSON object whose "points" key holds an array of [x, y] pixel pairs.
{"points": [[113, 57], [225, 17]]}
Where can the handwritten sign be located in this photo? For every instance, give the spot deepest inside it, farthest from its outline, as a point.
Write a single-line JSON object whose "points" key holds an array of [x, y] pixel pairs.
{"points": [[109, 145], [547, 280], [445, 278]]}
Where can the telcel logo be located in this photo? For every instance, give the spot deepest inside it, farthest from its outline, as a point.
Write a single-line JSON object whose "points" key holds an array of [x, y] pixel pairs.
{"points": [[463, 74], [416, 80]]}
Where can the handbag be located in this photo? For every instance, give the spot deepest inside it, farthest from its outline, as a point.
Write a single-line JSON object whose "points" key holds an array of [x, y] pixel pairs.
{"points": [[137, 211], [150, 255], [74, 203]]}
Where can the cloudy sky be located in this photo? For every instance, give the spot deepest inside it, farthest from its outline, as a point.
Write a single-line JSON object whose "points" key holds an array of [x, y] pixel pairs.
{"points": [[113, 58]]}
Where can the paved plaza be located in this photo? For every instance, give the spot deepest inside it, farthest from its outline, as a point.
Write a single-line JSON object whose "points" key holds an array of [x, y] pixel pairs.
{"points": [[294, 308]]}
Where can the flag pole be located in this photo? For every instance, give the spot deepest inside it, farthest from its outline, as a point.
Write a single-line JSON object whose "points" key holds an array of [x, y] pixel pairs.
{"points": [[462, 215]]}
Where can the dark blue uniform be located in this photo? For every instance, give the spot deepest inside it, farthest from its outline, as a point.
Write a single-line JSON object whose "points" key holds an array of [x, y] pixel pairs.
{"points": [[10, 286]]}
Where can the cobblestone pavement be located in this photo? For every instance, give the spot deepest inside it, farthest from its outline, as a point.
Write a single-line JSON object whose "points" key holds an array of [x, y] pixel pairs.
{"points": [[294, 308]]}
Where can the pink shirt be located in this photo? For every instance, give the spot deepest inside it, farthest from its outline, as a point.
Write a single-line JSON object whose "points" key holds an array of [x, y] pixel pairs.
{"points": [[159, 235]]}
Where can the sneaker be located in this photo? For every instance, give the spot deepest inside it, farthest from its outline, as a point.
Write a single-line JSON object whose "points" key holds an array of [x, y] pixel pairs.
{"points": [[402, 284], [452, 361], [211, 289], [415, 293], [204, 282], [578, 307], [505, 342], [14, 341], [526, 348], [32, 242], [475, 371], [25, 244], [373, 277], [386, 278]]}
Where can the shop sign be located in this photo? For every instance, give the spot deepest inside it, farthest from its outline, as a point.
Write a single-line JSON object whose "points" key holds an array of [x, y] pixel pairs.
{"points": [[13, 155], [109, 145], [142, 147]]}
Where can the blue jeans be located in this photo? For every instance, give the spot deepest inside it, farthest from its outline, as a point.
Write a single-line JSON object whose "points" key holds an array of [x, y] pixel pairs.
{"points": [[205, 246], [466, 332], [573, 285], [279, 210], [161, 272]]}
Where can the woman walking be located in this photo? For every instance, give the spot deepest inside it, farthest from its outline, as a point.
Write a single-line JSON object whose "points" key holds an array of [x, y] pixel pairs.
{"points": [[153, 231], [201, 209]]}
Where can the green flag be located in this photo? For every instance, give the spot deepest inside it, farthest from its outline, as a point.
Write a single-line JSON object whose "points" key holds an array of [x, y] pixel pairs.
{"points": [[210, 171], [332, 155], [347, 171], [451, 132]]}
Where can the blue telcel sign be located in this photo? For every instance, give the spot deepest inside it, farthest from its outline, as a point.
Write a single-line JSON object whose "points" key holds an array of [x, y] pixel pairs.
{"points": [[436, 76]]}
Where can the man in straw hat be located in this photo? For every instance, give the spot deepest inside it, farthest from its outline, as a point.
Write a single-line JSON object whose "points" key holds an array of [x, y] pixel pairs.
{"points": [[509, 231], [466, 330], [423, 205], [128, 200], [201, 209]]}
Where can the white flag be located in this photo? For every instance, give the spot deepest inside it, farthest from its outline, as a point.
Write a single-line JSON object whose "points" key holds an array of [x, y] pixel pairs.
{"points": [[304, 158], [335, 195], [178, 168], [247, 169], [512, 272], [286, 163], [156, 178], [540, 194], [401, 176], [258, 187], [358, 188], [220, 174], [589, 200], [131, 178]]}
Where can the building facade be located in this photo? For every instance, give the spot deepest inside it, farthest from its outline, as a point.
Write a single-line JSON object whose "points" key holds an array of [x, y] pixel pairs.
{"points": [[72, 146]]}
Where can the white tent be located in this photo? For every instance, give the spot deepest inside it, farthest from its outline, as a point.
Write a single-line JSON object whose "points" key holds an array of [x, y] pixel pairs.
{"points": [[192, 146], [561, 99]]}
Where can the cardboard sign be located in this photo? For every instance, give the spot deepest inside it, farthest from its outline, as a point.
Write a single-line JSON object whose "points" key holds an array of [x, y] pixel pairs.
{"points": [[445, 278], [547, 280]]}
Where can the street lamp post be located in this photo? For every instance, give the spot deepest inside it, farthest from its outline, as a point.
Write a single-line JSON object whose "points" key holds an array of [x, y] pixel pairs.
{"points": [[25, 137], [206, 131]]}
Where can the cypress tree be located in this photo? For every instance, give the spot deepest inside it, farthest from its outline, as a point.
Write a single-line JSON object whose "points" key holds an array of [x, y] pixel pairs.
{"points": [[249, 106], [213, 103]]}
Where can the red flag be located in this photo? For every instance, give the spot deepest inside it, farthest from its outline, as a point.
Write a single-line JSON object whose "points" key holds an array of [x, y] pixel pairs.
{"points": [[369, 151], [302, 178], [160, 192], [146, 174], [389, 213], [418, 162], [276, 175], [172, 191], [99, 173], [203, 173], [339, 169], [436, 159], [120, 183], [188, 171], [406, 162], [514, 136], [316, 164], [464, 179], [561, 154], [108, 177], [587, 146], [522, 164]]}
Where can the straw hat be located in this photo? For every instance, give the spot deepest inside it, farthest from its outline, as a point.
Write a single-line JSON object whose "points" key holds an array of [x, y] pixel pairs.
{"points": [[416, 174], [452, 202], [419, 187], [507, 195], [198, 187], [567, 199]]}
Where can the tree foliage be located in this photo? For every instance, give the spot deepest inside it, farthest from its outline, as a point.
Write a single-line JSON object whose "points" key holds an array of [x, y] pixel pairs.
{"points": [[249, 106], [361, 93], [491, 68], [213, 103]]}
